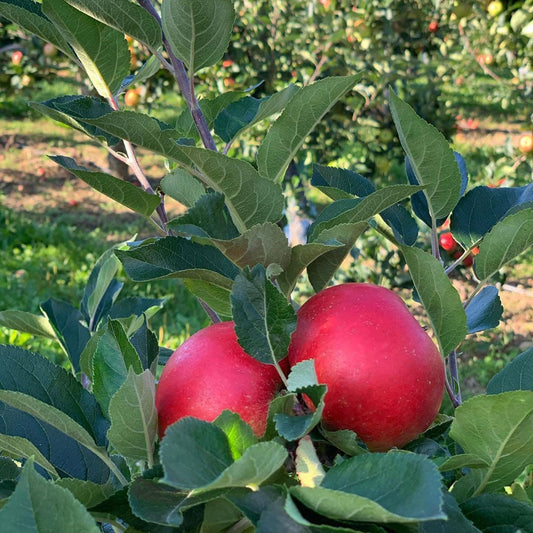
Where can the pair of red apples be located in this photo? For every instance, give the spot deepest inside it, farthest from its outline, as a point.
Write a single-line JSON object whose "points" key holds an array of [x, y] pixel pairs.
{"points": [[384, 375]]}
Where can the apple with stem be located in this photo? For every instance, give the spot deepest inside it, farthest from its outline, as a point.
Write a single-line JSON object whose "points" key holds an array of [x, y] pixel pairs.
{"points": [[447, 242], [384, 374], [210, 372]]}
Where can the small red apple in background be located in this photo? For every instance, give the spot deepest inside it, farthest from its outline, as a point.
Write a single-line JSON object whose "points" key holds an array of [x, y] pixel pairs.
{"points": [[228, 63], [132, 98], [49, 50], [41, 172], [229, 82], [73, 202], [468, 261], [525, 143], [433, 26], [447, 242], [210, 372], [384, 374], [25, 80], [16, 57]]}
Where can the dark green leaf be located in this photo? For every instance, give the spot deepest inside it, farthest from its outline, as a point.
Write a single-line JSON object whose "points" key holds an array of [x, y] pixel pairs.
{"points": [[496, 513], [250, 198], [302, 113], [359, 489], [431, 157], [484, 310], [146, 345], [247, 112], [102, 50], [455, 522], [439, 297], [505, 241], [111, 361], [124, 16], [198, 30], [8, 469], [499, 430], [68, 323], [209, 217], [39, 505], [482, 207], [264, 320], [71, 110], [117, 189], [28, 15], [517, 375], [180, 258], [341, 183], [87, 492]]}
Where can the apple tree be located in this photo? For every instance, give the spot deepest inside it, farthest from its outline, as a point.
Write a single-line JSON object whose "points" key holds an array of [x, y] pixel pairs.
{"points": [[81, 446]]}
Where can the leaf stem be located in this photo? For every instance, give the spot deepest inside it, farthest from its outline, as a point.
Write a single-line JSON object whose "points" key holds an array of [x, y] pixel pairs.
{"points": [[454, 375]]}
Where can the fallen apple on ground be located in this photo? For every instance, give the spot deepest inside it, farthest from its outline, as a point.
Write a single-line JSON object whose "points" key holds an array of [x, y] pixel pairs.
{"points": [[210, 372], [384, 374]]}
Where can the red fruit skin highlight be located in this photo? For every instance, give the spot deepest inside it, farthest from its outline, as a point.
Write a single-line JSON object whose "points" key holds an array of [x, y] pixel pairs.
{"points": [[384, 374], [210, 372]]}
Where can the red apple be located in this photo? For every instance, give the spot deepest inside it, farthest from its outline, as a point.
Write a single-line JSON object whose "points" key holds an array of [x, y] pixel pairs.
{"points": [[16, 57], [433, 26], [468, 261], [384, 374], [447, 242], [525, 143], [210, 372], [132, 98], [49, 50]]}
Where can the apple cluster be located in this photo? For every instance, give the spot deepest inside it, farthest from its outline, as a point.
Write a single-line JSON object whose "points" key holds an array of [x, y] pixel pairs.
{"points": [[384, 375]]}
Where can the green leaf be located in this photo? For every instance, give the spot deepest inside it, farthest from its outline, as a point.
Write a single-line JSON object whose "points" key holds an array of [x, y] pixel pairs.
{"points": [[21, 448], [303, 112], [302, 255], [343, 222], [194, 453], [209, 217], [27, 322], [499, 513], [102, 50], [133, 417], [431, 157], [87, 492], [440, 299], [124, 16], [220, 515], [484, 311], [455, 521], [498, 429], [71, 110], [506, 240], [250, 198], [463, 460], [70, 329], [309, 469], [100, 291], [249, 111], [183, 187], [29, 16], [217, 298], [58, 420], [264, 243], [517, 375], [39, 505], [179, 258], [240, 435], [264, 320], [360, 489], [121, 191], [199, 31], [111, 361], [345, 440]]}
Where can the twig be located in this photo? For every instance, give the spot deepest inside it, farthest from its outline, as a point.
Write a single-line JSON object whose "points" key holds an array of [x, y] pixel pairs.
{"points": [[468, 46]]}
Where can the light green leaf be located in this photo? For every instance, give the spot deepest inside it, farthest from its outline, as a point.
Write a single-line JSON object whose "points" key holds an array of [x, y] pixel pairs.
{"points": [[102, 50], [257, 464], [309, 469], [217, 298], [250, 198], [439, 297], [240, 435], [121, 191], [21, 448], [198, 30], [29, 16], [505, 241], [124, 16], [431, 157], [303, 112], [133, 417], [183, 187], [88, 493], [498, 429], [27, 322], [39, 505]]}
